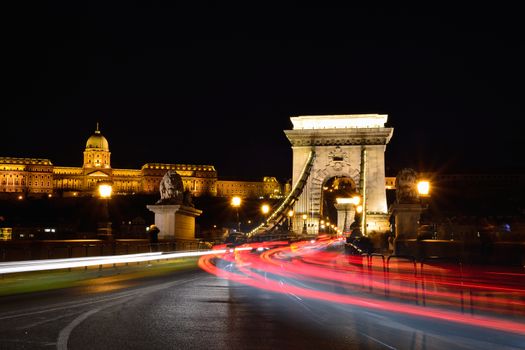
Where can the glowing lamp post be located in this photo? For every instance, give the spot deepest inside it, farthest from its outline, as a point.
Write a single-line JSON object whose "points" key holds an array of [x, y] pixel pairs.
{"points": [[290, 215], [104, 192], [236, 203], [265, 209], [304, 223], [423, 188]]}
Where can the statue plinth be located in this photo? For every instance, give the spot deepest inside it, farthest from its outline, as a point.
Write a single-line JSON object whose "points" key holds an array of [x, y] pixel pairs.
{"points": [[377, 222], [104, 231], [406, 217], [175, 221]]}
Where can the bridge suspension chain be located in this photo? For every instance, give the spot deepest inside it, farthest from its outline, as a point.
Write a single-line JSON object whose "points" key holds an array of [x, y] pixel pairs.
{"points": [[279, 215]]}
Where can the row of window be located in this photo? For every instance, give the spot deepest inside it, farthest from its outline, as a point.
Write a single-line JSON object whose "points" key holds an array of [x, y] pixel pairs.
{"points": [[177, 167], [70, 172], [222, 185], [26, 169], [22, 183], [13, 169], [31, 176], [37, 170], [14, 182], [239, 192]]}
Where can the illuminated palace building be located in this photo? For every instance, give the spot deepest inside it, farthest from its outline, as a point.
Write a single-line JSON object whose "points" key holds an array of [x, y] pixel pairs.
{"points": [[39, 177]]}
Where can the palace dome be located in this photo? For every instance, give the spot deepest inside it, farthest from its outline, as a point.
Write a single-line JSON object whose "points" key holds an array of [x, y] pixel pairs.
{"points": [[97, 141]]}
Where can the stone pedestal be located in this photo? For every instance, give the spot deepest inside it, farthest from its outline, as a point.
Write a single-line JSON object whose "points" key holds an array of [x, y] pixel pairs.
{"points": [[406, 218], [377, 223], [175, 221], [104, 231]]}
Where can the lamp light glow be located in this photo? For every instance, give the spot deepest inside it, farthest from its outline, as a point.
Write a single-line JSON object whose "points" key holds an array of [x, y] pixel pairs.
{"points": [[423, 187], [236, 201], [105, 190], [344, 200]]}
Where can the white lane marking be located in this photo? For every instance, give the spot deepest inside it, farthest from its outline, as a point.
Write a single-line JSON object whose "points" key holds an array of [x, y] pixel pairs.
{"points": [[63, 336], [67, 306], [295, 296], [31, 325], [378, 341]]}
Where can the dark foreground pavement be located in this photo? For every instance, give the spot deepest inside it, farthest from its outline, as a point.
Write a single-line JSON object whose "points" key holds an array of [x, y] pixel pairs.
{"points": [[193, 310]]}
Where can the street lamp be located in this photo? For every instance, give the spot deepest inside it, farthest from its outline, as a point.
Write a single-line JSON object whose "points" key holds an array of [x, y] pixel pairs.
{"points": [[265, 208], [104, 192], [290, 215], [236, 203], [423, 187], [304, 223]]}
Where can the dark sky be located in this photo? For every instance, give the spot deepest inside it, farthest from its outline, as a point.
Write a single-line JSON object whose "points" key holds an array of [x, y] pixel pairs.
{"points": [[216, 84]]}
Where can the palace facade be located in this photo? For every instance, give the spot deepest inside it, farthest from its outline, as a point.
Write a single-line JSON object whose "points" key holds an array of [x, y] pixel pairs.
{"points": [[269, 187], [34, 176]]}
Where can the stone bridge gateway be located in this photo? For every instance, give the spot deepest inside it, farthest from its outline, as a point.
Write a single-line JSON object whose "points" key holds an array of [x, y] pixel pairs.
{"points": [[345, 146]]}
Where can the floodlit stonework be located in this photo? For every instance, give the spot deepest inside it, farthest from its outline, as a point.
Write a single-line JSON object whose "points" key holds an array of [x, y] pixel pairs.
{"points": [[39, 177], [339, 142], [175, 221], [269, 187]]}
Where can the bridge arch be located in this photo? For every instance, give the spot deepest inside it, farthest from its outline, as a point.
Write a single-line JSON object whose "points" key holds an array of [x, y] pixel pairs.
{"points": [[342, 213]]}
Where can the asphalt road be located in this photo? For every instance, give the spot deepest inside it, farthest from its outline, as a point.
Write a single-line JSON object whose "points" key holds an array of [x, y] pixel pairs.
{"points": [[195, 310]]}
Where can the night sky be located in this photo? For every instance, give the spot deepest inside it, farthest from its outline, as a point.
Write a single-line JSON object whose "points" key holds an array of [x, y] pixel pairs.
{"points": [[217, 84]]}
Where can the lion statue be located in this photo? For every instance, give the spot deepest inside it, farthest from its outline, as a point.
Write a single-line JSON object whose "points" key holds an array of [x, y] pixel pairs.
{"points": [[171, 189], [406, 186]]}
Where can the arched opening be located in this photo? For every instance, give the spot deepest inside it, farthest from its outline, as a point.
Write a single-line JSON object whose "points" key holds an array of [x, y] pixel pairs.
{"points": [[337, 206]]}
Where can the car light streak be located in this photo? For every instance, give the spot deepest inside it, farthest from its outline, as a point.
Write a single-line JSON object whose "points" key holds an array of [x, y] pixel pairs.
{"points": [[40, 262], [55, 264], [307, 270]]}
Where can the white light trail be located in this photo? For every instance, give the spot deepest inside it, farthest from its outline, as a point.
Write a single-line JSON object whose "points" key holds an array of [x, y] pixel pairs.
{"points": [[55, 264]]}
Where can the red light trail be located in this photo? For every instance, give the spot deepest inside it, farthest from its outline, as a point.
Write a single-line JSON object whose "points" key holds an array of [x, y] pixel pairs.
{"points": [[474, 296]]}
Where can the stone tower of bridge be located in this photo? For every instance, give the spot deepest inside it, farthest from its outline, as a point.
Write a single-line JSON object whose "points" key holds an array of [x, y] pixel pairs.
{"points": [[344, 146]]}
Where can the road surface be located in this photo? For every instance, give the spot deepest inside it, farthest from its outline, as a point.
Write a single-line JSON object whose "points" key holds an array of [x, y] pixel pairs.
{"points": [[196, 310]]}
